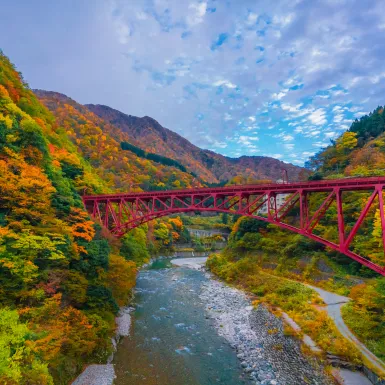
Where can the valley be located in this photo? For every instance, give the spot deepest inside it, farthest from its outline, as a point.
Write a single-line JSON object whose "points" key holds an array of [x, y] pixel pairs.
{"points": [[68, 266], [190, 329]]}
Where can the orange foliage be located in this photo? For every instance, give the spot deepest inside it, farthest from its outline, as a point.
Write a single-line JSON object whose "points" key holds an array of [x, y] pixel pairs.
{"points": [[81, 228]]}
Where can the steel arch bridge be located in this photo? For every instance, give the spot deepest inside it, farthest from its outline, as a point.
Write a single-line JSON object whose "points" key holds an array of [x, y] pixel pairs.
{"points": [[125, 211]]}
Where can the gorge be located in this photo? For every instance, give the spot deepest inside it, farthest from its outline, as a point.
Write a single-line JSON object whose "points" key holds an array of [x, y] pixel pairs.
{"points": [[64, 275]]}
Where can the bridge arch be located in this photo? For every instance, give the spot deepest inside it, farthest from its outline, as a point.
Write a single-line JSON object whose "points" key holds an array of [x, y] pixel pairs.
{"points": [[270, 203]]}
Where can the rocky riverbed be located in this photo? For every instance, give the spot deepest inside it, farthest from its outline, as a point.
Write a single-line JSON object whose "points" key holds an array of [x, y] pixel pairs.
{"points": [[184, 308], [267, 355], [104, 374]]}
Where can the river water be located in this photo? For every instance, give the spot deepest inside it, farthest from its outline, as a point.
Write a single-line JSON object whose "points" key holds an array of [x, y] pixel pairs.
{"points": [[172, 342]]}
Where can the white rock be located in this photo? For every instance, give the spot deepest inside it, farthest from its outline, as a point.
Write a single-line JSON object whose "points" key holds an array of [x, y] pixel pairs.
{"points": [[96, 375]]}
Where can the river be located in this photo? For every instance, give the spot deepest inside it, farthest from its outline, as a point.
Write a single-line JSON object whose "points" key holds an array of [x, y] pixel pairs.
{"points": [[172, 341], [191, 329]]}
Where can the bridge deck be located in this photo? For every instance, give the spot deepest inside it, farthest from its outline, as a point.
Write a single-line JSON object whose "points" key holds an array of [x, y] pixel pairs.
{"points": [[287, 188], [266, 202]]}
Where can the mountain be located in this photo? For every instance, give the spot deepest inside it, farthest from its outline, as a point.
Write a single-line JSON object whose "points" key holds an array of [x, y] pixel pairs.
{"points": [[360, 151], [58, 275], [62, 276], [148, 134], [99, 141]]}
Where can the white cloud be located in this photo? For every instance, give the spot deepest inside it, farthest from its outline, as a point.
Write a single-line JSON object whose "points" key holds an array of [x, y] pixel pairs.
{"points": [[251, 18], [287, 138], [283, 20], [312, 134], [122, 30], [284, 136], [247, 141], [318, 117], [320, 144], [219, 144], [330, 135], [299, 130], [225, 83], [141, 15], [280, 95], [377, 78], [338, 118], [197, 13]]}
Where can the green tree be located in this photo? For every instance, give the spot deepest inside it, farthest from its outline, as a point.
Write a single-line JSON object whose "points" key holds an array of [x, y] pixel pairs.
{"points": [[18, 364]]}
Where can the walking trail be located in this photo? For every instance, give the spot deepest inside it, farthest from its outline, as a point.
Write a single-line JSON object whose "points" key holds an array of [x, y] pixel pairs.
{"points": [[334, 302]]}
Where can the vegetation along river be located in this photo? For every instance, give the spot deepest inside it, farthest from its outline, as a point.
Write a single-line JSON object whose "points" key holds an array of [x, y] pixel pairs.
{"points": [[189, 329]]}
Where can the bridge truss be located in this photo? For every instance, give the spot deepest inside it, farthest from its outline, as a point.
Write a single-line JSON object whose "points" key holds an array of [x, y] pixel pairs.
{"points": [[297, 212]]}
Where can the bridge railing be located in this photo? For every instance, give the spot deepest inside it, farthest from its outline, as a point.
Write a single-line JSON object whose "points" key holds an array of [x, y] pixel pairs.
{"points": [[306, 205]]}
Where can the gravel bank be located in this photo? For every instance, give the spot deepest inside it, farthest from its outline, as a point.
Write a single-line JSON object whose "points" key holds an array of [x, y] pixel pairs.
{"points": [[105, 374], [123, 322], [96, 375], [192, 263], [266, 354]]}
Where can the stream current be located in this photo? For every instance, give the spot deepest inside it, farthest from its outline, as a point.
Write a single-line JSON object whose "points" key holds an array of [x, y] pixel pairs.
{"points": [[171, 341]]}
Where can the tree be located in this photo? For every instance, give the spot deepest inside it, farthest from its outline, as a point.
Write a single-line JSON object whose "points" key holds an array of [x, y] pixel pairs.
{"points": [[347, 141], [134, 246], [121, 278], [18, 362]]}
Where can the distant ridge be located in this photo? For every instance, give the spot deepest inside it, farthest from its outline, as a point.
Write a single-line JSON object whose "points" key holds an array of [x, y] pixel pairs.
{"points": [[149, 135]]}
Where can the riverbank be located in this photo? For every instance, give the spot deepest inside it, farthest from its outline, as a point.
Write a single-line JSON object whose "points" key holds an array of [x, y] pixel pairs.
{"points": [[172, 341], [104, 374], [267, 355]]}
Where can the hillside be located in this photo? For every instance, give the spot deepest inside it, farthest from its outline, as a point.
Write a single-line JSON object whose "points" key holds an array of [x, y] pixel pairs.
{"points": [[360, 151], [148, 134], [58, 291], [258, 253], [62, 276], [100, 143]]}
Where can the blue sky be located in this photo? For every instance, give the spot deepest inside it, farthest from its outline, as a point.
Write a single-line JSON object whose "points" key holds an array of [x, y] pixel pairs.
{"points": [[275, 78]]}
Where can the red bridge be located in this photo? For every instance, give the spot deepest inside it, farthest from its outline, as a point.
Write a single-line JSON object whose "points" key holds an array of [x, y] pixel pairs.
{"points": [[123, 212]]}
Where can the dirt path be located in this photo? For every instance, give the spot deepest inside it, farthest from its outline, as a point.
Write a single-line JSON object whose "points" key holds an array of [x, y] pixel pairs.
{"points": [[334, 302]]}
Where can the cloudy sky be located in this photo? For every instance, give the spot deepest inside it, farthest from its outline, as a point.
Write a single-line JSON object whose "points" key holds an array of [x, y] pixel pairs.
{"points": [[277, 78]]}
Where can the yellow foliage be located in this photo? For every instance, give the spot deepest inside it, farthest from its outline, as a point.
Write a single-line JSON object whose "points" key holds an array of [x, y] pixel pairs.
{"points": [[121, 278], [347, 141]]}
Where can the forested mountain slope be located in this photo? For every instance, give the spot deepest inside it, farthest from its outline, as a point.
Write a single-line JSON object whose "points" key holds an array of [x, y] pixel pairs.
{"points": [[360, 151], [148, 134], [62, 277], [58, 291], [100, 143], [258, 252]]}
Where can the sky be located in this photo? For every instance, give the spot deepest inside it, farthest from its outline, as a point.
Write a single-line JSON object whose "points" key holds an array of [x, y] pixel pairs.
{"points": [[269, 78]]}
